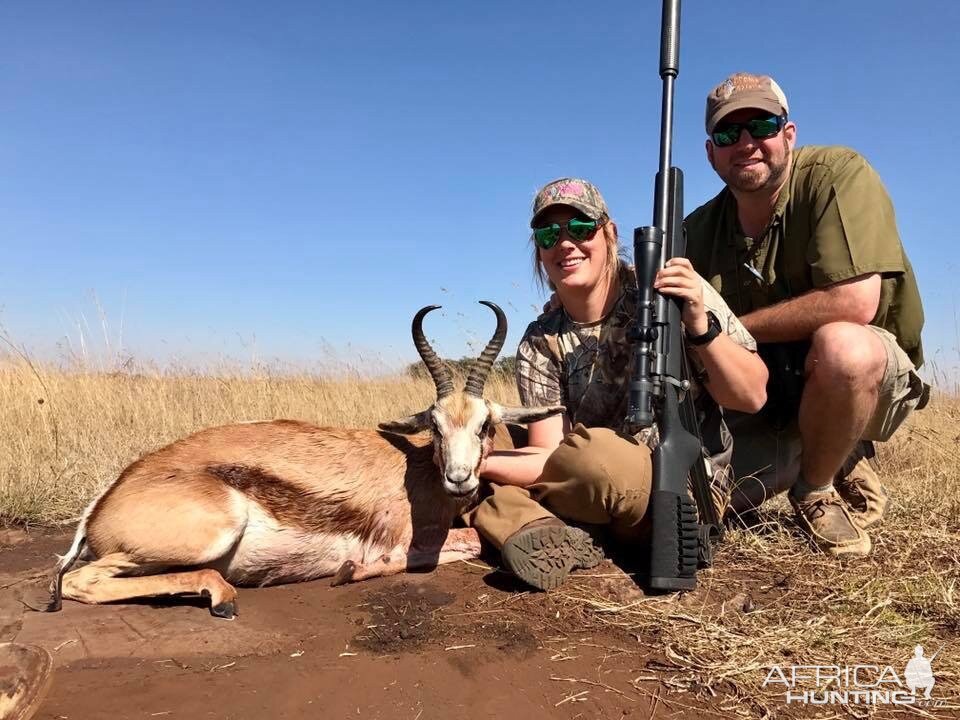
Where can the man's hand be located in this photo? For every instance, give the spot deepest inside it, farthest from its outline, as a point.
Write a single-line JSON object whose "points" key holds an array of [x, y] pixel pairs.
{"points": [[678, 279]]}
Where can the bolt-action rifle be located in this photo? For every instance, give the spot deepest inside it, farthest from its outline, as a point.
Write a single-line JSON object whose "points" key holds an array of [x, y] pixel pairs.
{"points": [[683, 530]]}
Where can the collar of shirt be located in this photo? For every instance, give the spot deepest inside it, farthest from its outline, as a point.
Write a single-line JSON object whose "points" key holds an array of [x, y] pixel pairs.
{"points": [[749, 248]]}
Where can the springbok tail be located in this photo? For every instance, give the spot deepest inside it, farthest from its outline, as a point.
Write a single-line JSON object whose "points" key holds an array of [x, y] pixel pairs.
{"points": [[64, 563]]}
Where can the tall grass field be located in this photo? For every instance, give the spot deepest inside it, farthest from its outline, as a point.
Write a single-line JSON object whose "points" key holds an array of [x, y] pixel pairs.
{"points": [[66, 432]]}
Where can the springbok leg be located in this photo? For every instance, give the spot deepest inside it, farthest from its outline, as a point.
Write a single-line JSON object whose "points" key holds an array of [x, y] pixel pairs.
{"points": [[460, 544], [102, 581]]}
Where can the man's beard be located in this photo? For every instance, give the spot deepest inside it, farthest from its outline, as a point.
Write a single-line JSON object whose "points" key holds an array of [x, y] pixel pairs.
{"points": [[766, 175]]}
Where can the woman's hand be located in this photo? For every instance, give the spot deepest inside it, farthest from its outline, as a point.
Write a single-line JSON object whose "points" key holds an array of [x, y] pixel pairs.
{"points": [[678, 279]]}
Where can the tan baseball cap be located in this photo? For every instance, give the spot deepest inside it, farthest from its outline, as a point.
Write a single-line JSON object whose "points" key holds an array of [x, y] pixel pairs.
{"points": [[743, 90], [576, 193]]}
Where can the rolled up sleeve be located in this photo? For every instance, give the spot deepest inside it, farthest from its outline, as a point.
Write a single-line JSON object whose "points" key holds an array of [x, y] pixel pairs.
{"points": [[854, 230]]}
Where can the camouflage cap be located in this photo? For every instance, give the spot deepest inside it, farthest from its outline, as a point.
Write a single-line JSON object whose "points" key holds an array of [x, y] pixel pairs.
{"points": [[743, 90], [576, 193]]}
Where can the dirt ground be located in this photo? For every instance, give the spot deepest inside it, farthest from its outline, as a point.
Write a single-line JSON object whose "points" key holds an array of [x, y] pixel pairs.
{"points": [[463, 641]]}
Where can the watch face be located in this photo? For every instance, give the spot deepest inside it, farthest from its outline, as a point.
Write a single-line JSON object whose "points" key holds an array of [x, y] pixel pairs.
{"points": [[714, 322]]}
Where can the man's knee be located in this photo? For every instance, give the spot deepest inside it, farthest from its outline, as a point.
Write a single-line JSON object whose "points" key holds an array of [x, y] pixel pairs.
{"points": [[846, 354]]}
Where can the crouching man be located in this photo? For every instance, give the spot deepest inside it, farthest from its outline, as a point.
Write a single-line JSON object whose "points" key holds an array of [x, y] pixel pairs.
{"points": [[802, 244]]}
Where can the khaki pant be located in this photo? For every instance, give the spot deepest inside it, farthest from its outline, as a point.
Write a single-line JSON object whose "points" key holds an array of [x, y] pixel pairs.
{"points": [[594, 477], [767, 461]]}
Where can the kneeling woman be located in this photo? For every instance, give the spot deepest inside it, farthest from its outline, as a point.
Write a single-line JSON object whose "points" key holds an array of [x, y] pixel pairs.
{"points": [[580, 466]]}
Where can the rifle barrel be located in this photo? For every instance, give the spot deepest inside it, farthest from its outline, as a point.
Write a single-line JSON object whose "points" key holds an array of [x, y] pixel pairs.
{"points": [[669, 70]]}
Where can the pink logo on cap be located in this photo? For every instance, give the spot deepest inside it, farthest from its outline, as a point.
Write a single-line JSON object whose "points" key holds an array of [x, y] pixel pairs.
{"points": [[569, 189]]}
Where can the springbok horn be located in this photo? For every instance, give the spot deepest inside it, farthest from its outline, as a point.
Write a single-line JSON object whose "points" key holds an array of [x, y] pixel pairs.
{"points": [[481, 368], [436, 368]]}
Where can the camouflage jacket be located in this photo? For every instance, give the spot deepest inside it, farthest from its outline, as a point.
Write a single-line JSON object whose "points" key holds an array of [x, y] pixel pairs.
{"points": [[586, 366]]}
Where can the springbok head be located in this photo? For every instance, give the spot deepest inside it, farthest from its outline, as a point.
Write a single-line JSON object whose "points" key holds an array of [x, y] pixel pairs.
{"points": [[463, 423]]}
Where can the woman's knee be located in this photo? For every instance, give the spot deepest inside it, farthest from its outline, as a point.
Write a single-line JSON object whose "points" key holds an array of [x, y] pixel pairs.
{"points": [[602, 460]]}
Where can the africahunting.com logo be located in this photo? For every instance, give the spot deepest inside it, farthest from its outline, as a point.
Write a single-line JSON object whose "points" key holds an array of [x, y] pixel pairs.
{"points": [[858, 684]]}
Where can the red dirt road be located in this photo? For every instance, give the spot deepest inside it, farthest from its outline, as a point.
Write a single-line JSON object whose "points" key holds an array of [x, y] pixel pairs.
{"points": [[462, 641]]}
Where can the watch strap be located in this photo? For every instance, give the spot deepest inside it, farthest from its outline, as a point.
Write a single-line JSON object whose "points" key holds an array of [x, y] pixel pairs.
{"points": [[713, 329]]}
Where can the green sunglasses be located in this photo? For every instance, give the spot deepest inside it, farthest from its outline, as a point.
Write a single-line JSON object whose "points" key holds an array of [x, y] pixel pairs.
{"points": [[578, 231], [761, 128]]}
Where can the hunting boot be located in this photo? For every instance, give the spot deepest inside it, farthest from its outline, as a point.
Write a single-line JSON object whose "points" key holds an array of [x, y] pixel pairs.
{"points": [[543, 552], [24, 679], [859, 486], [826, 518]]}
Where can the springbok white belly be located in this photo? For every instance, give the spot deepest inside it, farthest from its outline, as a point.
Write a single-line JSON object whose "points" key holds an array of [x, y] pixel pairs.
{"points": [[269, 552]]}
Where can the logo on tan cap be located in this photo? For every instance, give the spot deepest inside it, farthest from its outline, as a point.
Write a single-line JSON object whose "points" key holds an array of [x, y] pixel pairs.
{"points": [[743, 90], [727, 89]]}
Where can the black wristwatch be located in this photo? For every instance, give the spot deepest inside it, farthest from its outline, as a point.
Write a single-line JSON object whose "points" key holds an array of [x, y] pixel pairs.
{"points": [[713, 329]]}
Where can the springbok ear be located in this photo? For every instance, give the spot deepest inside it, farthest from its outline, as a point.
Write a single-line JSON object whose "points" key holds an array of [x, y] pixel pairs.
{"points": [[410, 425], [529, 414]]}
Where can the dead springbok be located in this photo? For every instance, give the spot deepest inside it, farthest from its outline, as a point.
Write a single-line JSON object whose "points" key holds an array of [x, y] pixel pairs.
{"points": [[284, 501]]}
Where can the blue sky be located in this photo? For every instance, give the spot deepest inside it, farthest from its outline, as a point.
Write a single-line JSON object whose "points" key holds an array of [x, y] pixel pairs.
{"points": [[292, 181]]}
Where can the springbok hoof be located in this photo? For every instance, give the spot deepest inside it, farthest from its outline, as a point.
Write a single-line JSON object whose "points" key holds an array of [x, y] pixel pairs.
{"points": [[225, 610], [344, 573]]}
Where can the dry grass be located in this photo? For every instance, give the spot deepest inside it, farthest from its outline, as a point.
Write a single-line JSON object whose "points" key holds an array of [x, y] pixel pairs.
{"points": [[769, 599], [67, 433]]}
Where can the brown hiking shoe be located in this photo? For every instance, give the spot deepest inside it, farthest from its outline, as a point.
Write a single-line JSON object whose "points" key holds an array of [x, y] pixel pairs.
{"points": [[829, 522], [858, 484], [542, 553], [24, 679]]}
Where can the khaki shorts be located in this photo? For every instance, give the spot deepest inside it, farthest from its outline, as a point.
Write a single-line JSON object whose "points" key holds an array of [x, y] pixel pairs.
{"points": [[901, 392], [767, 461]]}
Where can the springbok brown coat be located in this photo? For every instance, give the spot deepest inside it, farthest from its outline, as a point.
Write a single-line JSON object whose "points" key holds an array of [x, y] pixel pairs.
{"points": [[284, 501]]}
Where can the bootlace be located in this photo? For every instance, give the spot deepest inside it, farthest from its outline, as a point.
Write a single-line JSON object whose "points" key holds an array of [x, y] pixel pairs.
{"points": [[817, 507], [850, 483]]}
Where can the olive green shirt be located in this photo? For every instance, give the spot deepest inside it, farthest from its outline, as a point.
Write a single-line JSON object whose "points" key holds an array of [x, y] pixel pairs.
{"points": [[833, 221]]}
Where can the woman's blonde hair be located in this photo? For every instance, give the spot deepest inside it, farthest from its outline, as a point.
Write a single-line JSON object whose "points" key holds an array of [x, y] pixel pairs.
{"points": [[615, 256]]}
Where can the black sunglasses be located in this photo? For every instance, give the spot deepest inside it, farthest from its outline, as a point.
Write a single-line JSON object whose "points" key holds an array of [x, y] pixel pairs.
{"points": [[726, 134]]}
